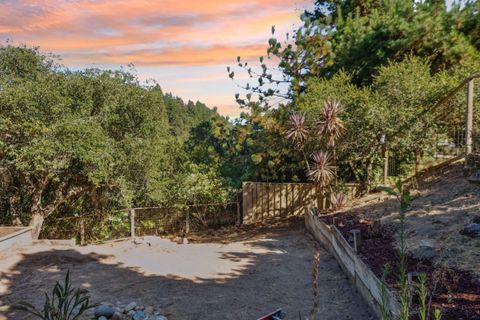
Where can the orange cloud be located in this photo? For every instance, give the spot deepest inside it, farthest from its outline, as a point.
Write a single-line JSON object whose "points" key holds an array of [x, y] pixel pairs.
{"points": [[185, 43], [145, 31]]}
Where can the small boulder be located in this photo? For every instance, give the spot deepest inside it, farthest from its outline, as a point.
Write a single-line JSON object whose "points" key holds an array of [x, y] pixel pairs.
{"points": [[472, 230], [104, 310], [131, 313], [149, 310], [178, 240], [130, 306], [117, 316], [185, 241], [139, 315]]}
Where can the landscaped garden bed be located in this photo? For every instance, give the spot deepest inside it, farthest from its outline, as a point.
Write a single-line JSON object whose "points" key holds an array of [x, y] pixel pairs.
{"points": [[435, 234], [456, 292]]}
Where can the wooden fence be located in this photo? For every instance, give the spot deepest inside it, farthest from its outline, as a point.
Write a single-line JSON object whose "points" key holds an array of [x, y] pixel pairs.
{"points": [[263, 200]]}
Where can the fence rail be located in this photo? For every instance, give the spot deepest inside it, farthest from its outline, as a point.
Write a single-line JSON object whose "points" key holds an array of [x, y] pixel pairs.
{"points": [[101, 226], [263, 200]]}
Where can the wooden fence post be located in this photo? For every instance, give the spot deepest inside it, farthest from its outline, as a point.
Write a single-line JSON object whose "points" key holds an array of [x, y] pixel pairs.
{"points": [[239, 212], [82, 230], [132, 223], [187, 221], [469, 118]]}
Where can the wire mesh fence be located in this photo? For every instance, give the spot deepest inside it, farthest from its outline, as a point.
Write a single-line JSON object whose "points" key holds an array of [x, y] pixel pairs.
{"points": [[147, 221], [447, 130]]}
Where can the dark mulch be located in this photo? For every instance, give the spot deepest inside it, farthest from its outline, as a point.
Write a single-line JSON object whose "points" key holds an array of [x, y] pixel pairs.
{"points": [[455, 292]]}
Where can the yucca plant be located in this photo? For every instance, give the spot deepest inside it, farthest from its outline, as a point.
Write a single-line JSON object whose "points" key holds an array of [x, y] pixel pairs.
{"points": [[338, 200], [330, 125], [298, 130], [322, 173], [65, 303]]}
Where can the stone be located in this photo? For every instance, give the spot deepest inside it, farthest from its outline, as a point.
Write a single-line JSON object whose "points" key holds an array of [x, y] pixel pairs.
{"points": [[178, 240], [156, 318], [426, 250], [102, 318], [139, 308], [130, 306], [131, 313], [472, 230], [139, 315], [104, 310], [117, 316], [149, 310], [185, 241]]}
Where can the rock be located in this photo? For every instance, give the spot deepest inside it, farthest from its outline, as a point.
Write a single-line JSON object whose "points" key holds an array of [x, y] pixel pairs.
{"points": [[102, 318], [149, 310], [117, 316], [130, 306], [139, 315], [139, 308], [472, 230], [178, 240], [425, 250], [131, 313], [104, 311], [185, 241], [156, 318]]}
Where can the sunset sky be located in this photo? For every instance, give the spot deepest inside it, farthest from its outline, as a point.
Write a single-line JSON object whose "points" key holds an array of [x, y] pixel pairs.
{"points": [[184, 45]]}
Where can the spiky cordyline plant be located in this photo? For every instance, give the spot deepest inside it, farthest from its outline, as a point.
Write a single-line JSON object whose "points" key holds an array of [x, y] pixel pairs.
{"points": [[322, 172], [338, 200], [298, 130], [330, 124]]}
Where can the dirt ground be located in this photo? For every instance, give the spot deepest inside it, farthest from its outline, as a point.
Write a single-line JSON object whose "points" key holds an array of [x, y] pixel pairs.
{"points": [[443, 204], [241, 279]]}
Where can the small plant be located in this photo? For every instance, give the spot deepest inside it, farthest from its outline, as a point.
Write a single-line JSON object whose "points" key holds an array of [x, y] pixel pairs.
{"points": [[403, 196], [338, 200], [65, 303], [437, 314], [422, 296], [384, 309]]}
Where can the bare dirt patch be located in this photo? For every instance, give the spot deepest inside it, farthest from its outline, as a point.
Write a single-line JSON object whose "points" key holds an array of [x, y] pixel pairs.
{"points": [[443, 204], [241, 279]]}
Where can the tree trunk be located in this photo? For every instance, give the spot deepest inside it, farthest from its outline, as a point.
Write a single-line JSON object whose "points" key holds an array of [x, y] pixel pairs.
{"points": [[36, 223]]}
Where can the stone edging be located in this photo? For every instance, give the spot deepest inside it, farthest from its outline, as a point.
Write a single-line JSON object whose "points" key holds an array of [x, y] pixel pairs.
{"points": [[366, 282]]}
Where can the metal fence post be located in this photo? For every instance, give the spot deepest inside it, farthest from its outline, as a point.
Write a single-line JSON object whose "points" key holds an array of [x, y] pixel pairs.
{"points": [[132, 223], [469, 118]]}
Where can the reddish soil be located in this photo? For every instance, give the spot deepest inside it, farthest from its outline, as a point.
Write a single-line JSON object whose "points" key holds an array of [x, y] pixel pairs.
{"points": [[455, 292]]}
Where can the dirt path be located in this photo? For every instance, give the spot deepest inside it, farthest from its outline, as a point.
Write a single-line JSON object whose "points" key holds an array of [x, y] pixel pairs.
{"points": [[238, 280]]}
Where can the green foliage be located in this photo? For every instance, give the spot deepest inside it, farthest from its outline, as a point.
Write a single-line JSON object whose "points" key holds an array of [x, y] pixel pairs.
{"points": [[86, 141], [65, 303]]}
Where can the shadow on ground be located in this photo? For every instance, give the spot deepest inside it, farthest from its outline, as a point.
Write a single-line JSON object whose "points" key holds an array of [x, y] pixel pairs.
{"points": [[270, 273]]}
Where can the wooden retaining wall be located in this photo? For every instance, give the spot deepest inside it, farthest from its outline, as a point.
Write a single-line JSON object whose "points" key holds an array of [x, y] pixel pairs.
{"points": [[262, 200], [366, 282]]}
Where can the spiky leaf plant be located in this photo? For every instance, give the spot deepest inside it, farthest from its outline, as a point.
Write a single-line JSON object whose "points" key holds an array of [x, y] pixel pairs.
{"points": [[322, 172], [330, 125], [65, 303], [338, 200], [298, 130]]}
